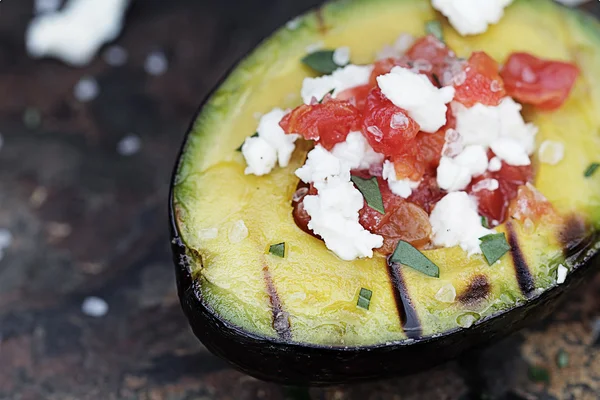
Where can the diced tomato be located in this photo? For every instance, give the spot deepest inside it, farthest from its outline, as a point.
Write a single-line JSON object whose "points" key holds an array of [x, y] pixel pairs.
{"points": [[356, 95], [482, 83], [402, 221], [384, 66], [431, 49], [427, 194], [544, 83], [494, 204], [531, 204], [328, 123], [388, 129]]}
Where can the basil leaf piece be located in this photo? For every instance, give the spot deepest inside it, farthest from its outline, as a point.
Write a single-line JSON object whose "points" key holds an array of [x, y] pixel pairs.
{"points": [[278, 249], [435, 28], [591, 169], [370, 191], [321, 61], [494, 246], [484, 222], [562, 359], [406, 254], [364, 298], [240, 148], [538, 374]]}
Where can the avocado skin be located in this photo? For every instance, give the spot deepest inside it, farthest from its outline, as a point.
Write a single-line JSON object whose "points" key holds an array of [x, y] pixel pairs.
{"points": [[300, 364]]}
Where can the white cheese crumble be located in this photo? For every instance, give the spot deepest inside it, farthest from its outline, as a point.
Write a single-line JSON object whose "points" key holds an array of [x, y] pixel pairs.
{"points": [[400, 187], [495, 164], [561, 274], [471, 17], [415, 93], [510, 151], [356, 152], [340, 80], [341, 56], [486, 184], [455, 174], [272, 145], [551, 152], [334, 210], [456, 222], [75, 33]]}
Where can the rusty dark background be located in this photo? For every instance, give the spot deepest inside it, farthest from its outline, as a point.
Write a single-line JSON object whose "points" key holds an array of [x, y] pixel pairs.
{"points": [[88, 221]]}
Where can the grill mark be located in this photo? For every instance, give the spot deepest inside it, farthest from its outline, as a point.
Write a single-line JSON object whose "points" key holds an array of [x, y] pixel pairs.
{"points": [[407, 313], [574, 234], [522, 272], [478, 289], [281, 319]]}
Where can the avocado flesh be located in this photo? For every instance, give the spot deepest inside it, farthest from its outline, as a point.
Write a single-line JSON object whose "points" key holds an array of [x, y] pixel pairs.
{"points": [[317, 290]]}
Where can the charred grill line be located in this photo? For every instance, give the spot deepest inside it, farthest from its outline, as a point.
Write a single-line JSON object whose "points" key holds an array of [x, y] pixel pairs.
{"points": [[522, 272], [281, 320], [408, 315]]}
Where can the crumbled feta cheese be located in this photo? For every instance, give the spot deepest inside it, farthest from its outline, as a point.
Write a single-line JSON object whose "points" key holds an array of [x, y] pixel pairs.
{"points": [[456, 173], [237, 232], [334, 210], [94, 307], [551, 152], [415, 93], [340, 80], [77, 32], [455, 222], [334, 217], [272, 144], [486, 184], [512, 124], [561, 274], [495, 164], [129, 145], [510, 151], [321, 165], [356, 152], [341, 56], [260, 156], [400, 187], [478, 124], [471, 17]]}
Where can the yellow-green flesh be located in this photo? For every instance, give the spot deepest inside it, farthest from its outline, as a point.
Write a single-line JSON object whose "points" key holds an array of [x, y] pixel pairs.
{"points": [[317, 289]]}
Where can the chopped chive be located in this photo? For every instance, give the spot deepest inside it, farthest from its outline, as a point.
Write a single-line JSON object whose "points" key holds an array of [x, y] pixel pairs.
{"points": [[435, 28], [328, 93], [406, 254], [370, 191], [364, 298], [484, 222], [321, 61], [562, 359], [494, 246], [240, 148], [538, 374], [591, 169], [278, 249]]}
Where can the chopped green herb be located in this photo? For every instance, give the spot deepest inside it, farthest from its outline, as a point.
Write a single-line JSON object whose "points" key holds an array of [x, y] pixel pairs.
{"points": [[370, 191], [240, 148], [484, 222], [328, 93], [321, 61], [494, 246], [435, 28], [562, 359], [591, 169], [278, 249], [406, 254], [538, 374], [364, 298]]}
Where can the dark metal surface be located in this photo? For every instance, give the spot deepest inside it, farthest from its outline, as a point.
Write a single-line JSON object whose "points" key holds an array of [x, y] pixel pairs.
{"points": [[89, 221]]}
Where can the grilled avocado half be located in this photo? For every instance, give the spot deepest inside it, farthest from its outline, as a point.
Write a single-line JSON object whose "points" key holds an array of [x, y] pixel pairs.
{"points": [[295, 319]]}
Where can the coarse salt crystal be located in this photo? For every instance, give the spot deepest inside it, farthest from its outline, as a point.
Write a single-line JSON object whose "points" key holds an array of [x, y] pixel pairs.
{"points": [[86, 89], [399, 121], [561, 274], [156, 63], [486, 184], [375, 131], [94, 307], [208, 233], [551, 152], [237, 232], [115, 56], [446, 294], [293, 24], [129, 145]]}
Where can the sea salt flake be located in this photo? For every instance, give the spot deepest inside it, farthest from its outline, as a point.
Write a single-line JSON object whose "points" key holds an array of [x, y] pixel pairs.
{"points": [[528, 75], [129, 145], [86, 89], [561, 274], [293, 24], [237, 232], [399, 121], [208, 233], [375, 131], [156, 63], [446, 294], [486, 184], [94, 307], [551, 152], [115, 56]]}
